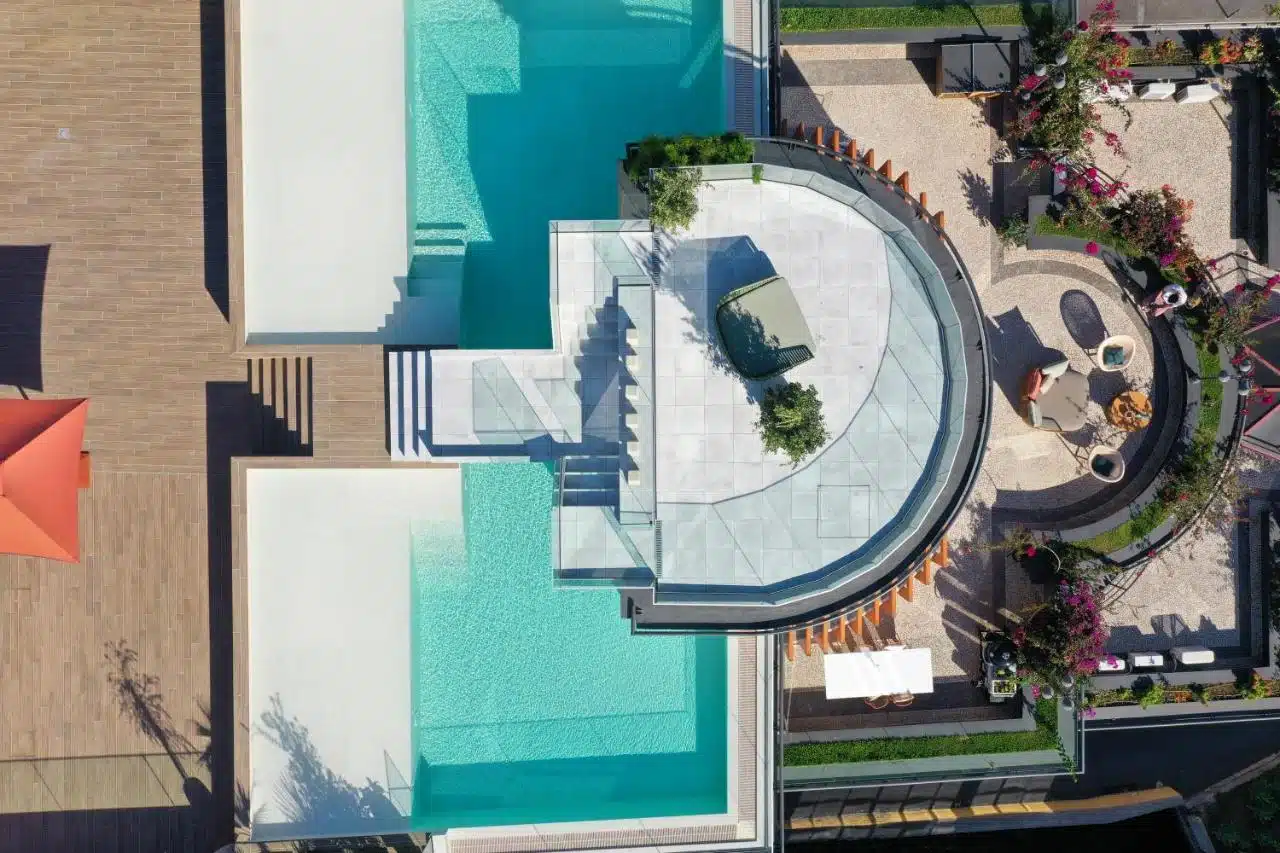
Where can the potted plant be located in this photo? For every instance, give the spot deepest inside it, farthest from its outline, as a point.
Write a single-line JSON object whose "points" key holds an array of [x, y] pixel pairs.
{"points": [[791, 421]]}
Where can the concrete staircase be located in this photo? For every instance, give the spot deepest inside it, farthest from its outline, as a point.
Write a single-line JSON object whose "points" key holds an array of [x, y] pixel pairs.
{"points": [[407, 403], [590, 481], [282, 413]]}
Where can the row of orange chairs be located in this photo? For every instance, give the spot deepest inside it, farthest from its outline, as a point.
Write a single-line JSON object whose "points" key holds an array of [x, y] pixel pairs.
{"points": [[837, 628]]}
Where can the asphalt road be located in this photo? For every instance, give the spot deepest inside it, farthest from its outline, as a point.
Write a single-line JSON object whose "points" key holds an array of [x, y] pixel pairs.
{"points": [[1188, 758]]}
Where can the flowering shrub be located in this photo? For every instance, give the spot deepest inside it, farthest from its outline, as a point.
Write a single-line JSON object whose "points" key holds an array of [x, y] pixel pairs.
{"points": [[1165, 52], [1253, 50], [1230, 319], [1064, 639], [1054, 110], [1154, 221], [1223, 51]]}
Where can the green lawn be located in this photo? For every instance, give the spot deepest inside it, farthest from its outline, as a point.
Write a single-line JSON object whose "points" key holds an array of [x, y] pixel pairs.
{"points": [[811, 19], [1045, 736]]}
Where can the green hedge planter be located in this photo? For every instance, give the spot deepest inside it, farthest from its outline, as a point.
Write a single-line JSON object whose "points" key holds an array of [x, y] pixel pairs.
{"points": [[822, 19]]}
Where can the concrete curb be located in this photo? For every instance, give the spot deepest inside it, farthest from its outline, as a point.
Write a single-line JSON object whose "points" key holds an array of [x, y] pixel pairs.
{"points": [[1186, 709]]}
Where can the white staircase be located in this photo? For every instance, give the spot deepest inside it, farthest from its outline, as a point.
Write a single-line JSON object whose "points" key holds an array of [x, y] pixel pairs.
{"points": [[407, 404]]}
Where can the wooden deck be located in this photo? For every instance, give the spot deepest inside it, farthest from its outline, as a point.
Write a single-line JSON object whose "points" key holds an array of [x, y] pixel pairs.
{"points": [[112, 171]]}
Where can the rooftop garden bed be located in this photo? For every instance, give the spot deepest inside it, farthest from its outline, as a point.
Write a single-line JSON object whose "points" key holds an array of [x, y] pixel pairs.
{"points": [[1044, 736], [675, 152], [1149, 692], [1221, 51], [799, 19]]}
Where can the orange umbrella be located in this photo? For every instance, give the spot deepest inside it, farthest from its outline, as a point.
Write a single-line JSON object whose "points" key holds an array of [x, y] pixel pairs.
{"points": [[40, 472]]}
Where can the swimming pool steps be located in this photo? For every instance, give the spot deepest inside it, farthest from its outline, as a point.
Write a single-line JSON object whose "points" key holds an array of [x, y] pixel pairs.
{"points": [[433, 291]]}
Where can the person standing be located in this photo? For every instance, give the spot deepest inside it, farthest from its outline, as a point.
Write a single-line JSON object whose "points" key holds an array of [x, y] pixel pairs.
{"points": [[1166, 299]]}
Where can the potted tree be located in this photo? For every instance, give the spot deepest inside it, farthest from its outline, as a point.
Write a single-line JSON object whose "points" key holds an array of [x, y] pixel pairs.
{"points": [[791, 421]]}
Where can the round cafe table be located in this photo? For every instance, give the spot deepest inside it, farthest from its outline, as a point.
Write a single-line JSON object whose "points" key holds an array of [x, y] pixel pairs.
{"points": [[1130, 411]]}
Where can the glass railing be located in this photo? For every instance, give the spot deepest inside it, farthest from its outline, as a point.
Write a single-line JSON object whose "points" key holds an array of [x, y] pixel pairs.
{"points": [[841, 180]]}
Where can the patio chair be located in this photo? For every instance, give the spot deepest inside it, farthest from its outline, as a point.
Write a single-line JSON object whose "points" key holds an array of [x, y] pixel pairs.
{"points": [[762, 329], [902, 700], [1115, 353], [1055, 397], [877, 703], [1106, 464]]}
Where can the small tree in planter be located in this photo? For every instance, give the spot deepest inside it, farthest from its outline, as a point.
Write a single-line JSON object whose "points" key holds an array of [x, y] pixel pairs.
{"points": [[1054, 110], [673, 197], [1063, 640], [791, 421]]}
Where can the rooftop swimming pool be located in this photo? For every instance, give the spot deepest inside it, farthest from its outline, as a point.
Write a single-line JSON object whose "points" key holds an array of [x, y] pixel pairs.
{"points": [[534, 703], [519, 110]]}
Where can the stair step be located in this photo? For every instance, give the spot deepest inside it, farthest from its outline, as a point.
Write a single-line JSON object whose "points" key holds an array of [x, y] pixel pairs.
{"points": [[441, 226], [433, 250], [281, 391], [439, 243]]}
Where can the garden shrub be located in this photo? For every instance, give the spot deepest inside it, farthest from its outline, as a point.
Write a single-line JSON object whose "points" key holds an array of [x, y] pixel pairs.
{"points": [[673, 198], [1064, 639], [666, 152], [791, 421], [1063, 120]]}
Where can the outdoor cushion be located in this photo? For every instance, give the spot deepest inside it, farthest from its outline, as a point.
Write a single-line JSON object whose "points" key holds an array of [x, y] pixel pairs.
{"points": [[763, 330], [1062, 408], [1055, 370]]}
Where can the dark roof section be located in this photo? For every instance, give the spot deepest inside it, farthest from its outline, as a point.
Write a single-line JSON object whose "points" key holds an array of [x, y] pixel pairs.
{"points": [[648, 615], [1184, 13]]}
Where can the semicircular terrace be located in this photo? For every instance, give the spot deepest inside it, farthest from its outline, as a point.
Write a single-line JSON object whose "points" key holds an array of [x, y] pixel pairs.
{"points": [[899, 365]]}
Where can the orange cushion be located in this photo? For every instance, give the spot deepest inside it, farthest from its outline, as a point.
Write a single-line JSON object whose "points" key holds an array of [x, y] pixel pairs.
{"points": [[1033, 384]]}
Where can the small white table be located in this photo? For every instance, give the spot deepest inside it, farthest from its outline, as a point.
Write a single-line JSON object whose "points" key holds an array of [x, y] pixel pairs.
{"points": [[884, 673]]}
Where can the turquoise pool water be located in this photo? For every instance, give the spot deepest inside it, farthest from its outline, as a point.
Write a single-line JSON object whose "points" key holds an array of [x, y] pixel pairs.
{"points": [[534, 703], [519, 110]]}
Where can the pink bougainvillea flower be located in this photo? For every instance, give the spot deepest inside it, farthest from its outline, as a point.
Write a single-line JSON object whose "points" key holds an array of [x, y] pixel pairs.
{"points": [[1088, 136], [1239, 288], [1083, 25], [1151, 553], [1167, 259], [1091, 248], [1090, 713], [1213, 264], [1031, 550], [1273, 281], [1091, 172]]}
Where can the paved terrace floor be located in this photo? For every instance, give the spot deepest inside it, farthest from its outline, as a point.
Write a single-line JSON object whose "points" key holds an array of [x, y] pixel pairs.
{"points": [[111, 170], [879, 94]]}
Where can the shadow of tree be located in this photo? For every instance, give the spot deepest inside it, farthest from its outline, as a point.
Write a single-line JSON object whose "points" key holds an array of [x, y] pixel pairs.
{"points": [[968, 590], [310, 793], [138, 695], [977, 191]]}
